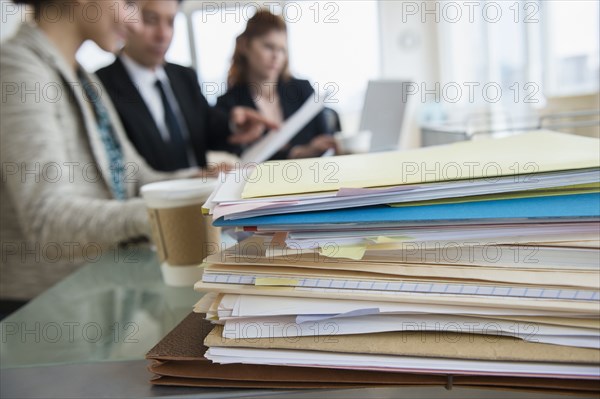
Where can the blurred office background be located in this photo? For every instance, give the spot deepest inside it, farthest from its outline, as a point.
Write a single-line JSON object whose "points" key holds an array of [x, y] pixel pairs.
{"points": [[476, 66]]}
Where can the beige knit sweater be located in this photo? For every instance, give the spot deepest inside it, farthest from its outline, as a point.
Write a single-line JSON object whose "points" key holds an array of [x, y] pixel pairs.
{"points": [[56, 207]]}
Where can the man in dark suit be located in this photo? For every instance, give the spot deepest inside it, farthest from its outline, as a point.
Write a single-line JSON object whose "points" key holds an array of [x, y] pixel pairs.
{"points": [[161, 105]]}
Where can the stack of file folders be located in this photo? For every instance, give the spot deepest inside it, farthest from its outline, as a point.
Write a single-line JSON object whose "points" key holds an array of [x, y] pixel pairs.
{"points": [[475, 263]]}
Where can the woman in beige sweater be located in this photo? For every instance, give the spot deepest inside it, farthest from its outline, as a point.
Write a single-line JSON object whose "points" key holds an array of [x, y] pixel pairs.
{"points": [[69, 175]]}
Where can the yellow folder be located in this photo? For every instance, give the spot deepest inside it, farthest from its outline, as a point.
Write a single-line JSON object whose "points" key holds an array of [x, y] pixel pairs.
{"points": [[524, 154]]}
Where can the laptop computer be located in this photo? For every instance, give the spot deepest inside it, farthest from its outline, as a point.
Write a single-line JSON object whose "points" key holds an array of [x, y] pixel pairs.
{"points": [[383, 113]]}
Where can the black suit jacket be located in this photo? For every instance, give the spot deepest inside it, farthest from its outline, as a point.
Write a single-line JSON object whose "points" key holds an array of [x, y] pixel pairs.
{"points": [[292, 94], [208, 127]]}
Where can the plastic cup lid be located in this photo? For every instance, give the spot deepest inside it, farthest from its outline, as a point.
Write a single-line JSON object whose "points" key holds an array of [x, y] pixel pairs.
{"points": [[176, 193]]}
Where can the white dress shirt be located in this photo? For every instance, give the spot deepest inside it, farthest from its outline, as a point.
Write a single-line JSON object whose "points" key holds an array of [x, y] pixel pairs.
{"points": [[145, 81]]}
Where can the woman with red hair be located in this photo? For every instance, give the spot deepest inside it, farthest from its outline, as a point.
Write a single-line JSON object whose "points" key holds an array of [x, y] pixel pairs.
{"points": [[259, 77]]}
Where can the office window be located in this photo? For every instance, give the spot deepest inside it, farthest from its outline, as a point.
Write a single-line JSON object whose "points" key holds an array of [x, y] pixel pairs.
{"points": [[572, 63], [325, 47], [533, 50], [487, 56], [215, 31], [336, 46], [180, 52]]}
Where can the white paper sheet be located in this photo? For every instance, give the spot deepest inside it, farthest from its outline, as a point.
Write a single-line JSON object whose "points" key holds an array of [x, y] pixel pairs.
{"points": [[287, 327], [266, 147], [397, 363], [256, 306]]}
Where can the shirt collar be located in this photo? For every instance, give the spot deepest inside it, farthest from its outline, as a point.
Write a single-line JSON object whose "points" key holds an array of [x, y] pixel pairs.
{"points": [[141, 75]]}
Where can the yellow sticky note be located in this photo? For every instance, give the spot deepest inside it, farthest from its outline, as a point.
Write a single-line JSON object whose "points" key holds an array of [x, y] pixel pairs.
{"points": [[266, 281], [354, 252], [388, 240]]}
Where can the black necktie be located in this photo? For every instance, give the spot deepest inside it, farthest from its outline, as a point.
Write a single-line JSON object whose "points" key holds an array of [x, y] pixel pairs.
{"points": [[178, 144]]}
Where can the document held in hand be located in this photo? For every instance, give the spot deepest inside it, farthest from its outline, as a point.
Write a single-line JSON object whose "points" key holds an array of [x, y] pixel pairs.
{"points": [[274, 140]]}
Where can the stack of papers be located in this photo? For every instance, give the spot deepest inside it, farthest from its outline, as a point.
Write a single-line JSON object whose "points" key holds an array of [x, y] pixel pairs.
{"points": [[427, 316], [531, 165], [178, 359], [473, 259]]}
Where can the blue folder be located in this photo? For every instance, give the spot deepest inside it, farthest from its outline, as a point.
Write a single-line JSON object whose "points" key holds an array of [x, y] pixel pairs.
{"points": [[563, 206]]}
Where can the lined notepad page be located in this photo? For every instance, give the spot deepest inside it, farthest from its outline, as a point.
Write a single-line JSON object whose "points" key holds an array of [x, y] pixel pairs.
{"points": [[423, 288]]}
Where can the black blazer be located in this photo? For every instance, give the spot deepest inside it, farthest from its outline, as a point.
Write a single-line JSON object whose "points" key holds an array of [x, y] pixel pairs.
{"points": [[292, 94], [208, 127]]}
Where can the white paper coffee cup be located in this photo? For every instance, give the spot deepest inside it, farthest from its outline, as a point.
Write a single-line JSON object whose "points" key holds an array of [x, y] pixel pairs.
{"points": [[180, 276], [182, 235]]}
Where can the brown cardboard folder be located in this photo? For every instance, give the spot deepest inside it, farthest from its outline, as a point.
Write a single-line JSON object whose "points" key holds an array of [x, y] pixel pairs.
{"points": [[449, 345], [178, 360]]}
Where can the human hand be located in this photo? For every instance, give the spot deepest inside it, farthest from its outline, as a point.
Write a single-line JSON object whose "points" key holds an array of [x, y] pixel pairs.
{"points": [[315, 148], [248, 125]]}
